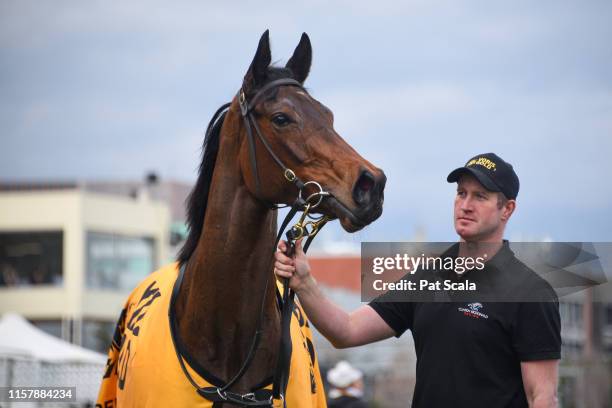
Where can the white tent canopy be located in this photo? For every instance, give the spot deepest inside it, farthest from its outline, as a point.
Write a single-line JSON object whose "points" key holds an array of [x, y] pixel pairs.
{"points": [[19, 338]]}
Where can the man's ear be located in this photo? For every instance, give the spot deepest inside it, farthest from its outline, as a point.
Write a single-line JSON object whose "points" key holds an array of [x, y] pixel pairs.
{"points": [[256, 74], [300, 61], [508, 210]]}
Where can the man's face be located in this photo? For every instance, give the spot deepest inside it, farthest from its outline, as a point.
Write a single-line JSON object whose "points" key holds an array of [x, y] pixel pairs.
{"points": [[477, 213]]}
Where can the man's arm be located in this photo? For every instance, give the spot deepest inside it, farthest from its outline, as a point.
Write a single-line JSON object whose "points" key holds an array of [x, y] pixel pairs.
{"points": [[540, 382], [342, 329]]}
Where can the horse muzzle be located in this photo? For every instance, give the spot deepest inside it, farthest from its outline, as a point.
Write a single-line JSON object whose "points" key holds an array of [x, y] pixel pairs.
{"points": [[367, 206]]}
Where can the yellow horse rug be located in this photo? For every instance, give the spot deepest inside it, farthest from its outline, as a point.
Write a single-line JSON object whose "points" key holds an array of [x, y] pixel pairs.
{"points": [[143, 369]]}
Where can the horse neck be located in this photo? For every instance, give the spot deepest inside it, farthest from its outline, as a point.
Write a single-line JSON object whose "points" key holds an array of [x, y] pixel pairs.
{"points": [[225, 279]]}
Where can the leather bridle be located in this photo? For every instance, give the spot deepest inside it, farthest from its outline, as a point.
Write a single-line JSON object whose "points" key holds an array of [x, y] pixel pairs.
{"points": [[246, 109], [303, 228]]}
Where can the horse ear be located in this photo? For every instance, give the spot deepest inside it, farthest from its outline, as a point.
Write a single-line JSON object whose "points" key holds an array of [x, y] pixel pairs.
{"points": [[259, 66], [300, 62]]}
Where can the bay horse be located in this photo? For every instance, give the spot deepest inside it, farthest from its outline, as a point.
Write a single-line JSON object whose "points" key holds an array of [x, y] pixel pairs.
{"points": [[192, 324]]}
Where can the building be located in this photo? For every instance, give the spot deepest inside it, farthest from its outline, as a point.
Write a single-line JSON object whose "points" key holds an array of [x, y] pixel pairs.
{"points": [[70, 253], [585, 372]]}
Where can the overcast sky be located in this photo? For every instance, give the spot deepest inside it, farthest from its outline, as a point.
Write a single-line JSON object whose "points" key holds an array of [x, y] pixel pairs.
{"points": [[110, 90]]}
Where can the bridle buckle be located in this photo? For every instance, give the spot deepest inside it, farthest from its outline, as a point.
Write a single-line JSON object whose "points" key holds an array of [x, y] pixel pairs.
{"points": [[244, 106], [222, 394], [289, 175]]}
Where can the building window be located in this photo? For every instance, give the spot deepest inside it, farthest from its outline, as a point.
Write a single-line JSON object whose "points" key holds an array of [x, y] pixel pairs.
{"points": [[117, 261], [571, 349], [52, 327], [97, 335], [571, 314], [31, 258], [577, 314], [609, 315]]}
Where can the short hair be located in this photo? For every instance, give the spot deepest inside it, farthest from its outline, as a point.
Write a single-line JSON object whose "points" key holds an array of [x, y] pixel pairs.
{"points": [[501, 200]]}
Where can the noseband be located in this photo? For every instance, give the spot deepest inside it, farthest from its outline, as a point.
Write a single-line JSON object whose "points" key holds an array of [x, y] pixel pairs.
{"points": [[302, 228]]}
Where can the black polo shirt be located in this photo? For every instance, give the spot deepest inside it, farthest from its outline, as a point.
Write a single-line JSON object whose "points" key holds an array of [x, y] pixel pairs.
{"points": [[469, 352]]}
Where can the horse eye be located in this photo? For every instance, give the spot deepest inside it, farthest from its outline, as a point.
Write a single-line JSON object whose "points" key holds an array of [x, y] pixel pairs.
{"points": [[280, 119]]}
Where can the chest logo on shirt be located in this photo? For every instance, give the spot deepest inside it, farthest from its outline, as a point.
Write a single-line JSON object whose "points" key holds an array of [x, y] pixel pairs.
{"points": [[473, 310]]}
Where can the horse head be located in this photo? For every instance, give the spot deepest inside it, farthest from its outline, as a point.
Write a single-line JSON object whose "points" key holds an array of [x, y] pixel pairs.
{"points": [[300, 135]]}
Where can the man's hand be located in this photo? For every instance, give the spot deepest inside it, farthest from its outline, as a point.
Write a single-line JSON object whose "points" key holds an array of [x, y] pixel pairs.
{"points": [[362, 326], [297, 269]]}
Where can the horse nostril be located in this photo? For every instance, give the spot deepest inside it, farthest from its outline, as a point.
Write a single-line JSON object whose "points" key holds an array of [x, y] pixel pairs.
{"points": [[365, 182], [363, 187]]}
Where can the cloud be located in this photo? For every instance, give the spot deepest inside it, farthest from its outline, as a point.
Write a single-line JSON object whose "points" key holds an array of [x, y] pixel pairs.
{"points": [[99, 89], [359, 110]]}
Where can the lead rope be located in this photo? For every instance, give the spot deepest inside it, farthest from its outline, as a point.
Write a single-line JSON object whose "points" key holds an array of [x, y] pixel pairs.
{"points": [[298, 231]]}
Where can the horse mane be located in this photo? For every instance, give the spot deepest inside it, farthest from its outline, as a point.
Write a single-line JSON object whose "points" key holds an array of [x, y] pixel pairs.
{"points": [[198, 198]]}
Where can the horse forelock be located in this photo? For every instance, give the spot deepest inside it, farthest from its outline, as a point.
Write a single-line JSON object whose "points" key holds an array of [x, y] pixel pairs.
{"points": [[275, 73]]}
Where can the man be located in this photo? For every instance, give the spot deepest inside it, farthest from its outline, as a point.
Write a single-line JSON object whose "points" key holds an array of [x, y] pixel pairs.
{"points": [[499, 355], [347, 383]]}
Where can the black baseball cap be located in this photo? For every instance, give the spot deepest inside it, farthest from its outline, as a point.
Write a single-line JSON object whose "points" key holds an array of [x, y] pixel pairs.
{"points": [[492, 172]]}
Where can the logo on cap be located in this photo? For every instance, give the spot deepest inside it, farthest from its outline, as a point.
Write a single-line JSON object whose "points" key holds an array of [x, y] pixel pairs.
{"points": [[492, 172], [482, 161]]}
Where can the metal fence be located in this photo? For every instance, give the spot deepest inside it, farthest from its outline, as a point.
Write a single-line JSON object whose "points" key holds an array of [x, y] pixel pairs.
{"points": [[86, 377]]}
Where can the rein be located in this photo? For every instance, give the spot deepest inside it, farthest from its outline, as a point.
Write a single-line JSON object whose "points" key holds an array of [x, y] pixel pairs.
{"points": [[303, 228]]}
